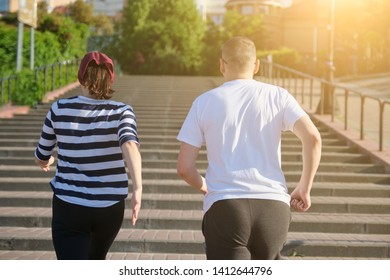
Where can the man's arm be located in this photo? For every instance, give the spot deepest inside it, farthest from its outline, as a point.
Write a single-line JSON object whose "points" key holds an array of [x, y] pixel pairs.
{"points": [[308, 133], [186, 167], [132, 157]]}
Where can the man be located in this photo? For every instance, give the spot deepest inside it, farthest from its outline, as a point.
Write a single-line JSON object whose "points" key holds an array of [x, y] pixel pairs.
{"points": [[246, 203]]}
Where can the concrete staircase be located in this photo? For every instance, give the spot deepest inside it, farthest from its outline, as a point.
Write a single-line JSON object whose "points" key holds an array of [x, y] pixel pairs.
{"points": [[350, 216]]}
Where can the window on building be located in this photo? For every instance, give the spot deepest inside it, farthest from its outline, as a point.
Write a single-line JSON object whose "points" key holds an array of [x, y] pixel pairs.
{"points": [[247, 10], [264, 10], [217, 19], [4, 6]]}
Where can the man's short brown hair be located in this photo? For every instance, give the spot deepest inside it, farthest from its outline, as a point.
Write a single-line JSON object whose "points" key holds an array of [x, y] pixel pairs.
{"points": [[240, 53]]}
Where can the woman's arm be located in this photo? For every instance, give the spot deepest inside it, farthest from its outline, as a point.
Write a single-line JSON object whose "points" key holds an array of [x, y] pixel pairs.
{"points": [[132, 156]]}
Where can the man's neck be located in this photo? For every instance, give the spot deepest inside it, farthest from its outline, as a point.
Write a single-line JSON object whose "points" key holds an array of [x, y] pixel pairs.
{"points": [[237, 77]]}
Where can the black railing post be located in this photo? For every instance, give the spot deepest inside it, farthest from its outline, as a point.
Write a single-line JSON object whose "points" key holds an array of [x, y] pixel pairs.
{"points": [[45, 80], [60, 74], [311, 93], [346, 95], [303, 90], [66, 71], [1, 91], [362, 98], [381, 123]]}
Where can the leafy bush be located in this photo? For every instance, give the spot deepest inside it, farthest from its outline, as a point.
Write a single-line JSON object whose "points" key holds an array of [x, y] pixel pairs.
{"points": [[58, 38], [31, 86], [28, 91], [284, 56], [8, 39]]}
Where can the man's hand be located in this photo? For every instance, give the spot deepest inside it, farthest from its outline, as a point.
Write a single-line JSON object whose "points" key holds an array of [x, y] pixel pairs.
{"points": [[300, 200]]}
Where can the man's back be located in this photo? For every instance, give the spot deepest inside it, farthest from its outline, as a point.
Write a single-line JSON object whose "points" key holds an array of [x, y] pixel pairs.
{"points": [[241, 122]]}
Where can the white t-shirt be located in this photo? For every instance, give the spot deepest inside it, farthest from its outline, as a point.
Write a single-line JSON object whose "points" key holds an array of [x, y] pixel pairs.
{"points": [[241, 123]]}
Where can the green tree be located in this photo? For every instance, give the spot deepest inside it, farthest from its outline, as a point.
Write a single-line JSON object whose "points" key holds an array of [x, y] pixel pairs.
{"points": [[362, 36], [42, 11], [45, 55], [213, 40], [72, 36], [50, 23], [57, 38], [251, 26], [81, 12], [8, 42], [103, 25], [234, 24], [161, 37]]}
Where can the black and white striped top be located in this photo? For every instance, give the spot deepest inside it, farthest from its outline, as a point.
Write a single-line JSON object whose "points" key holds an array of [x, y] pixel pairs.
{"points": [[88, 133]]}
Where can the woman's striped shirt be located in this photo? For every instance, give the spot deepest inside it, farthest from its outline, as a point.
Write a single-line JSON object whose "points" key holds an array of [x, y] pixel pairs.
{"points": [[88, 134]]}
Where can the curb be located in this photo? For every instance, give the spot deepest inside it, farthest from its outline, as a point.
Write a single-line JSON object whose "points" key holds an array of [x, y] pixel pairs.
{"points": [[8, 111], [50, 96], [368, 147]]}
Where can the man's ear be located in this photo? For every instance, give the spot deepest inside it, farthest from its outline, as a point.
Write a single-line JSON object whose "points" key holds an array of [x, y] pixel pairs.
{"points": [[221, 66], [257, 67]]}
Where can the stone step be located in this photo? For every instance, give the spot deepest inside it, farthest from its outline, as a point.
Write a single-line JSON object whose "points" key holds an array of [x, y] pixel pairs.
{"points": [[340, 189], [191, 242], [9, 133], [170, 141], [147, 121], [335, 245], [142, 131], [321, 204], [145, 125], [155, 154], [154, 109], [50, 255], [157, 142], [340, 223], [153, 124], [169, 174], [366, 168], [34, 217], [153, 146]]}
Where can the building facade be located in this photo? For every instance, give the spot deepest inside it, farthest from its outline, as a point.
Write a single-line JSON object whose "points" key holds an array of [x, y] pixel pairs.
{"points": [[301, 25], [12, 6], [304, 27], [216, 10], [111, 8], [254, 7], [9, 6]]}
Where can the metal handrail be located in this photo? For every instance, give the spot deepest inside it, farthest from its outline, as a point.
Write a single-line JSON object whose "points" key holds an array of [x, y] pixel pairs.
{"points": [[278, 74], [51, 75], [6, 88]]}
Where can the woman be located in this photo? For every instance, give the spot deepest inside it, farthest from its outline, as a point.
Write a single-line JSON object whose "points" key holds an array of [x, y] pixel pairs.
{"points": [[93, 135]]}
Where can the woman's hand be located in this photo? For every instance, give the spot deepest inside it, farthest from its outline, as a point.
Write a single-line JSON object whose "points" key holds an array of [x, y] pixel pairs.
{"points": [[45, 164]]}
